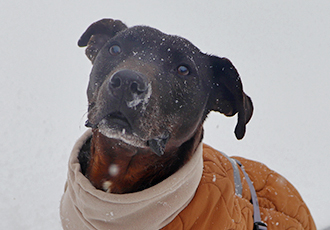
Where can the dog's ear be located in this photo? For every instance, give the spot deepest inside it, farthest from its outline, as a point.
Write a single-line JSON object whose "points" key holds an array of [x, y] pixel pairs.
{"points": [[98, 34], [227, 94]]}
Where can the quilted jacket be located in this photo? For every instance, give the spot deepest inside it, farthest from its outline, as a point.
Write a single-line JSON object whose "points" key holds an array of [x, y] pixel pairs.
{"points": [[215, 205]]}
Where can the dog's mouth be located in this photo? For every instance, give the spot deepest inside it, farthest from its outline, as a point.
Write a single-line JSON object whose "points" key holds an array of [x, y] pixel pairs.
{"points": [[115, 125], [114, 121], [115, 118], [118, 120]]}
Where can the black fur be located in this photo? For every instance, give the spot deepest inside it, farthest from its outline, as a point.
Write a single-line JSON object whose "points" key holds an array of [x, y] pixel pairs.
{"points": [[151, 89]]}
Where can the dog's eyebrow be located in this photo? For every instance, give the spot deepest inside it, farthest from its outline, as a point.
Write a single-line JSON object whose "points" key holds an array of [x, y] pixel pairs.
{"points": [[180, 57], [191, 58]]}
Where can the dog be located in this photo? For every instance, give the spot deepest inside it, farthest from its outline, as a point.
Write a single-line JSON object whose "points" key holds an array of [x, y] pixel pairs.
{"points": [[150, 93], [148, 96]]}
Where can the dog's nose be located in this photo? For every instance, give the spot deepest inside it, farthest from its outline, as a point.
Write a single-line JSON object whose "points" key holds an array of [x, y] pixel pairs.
{"points": [[128, 84]]}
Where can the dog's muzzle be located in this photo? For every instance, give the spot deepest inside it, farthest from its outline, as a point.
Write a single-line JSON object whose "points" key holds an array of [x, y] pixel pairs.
{"points": [[127, 94]]}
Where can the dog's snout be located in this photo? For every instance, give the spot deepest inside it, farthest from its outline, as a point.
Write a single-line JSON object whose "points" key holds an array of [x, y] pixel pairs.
{"points": [[129, 86]]}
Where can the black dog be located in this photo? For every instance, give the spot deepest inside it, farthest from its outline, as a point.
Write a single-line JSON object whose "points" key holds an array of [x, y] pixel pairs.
{"points": [[149, 94]]}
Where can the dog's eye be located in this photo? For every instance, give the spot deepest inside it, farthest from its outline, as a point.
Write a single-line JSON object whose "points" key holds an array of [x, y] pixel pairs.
{"points": [[115, 50], [183, 70]]}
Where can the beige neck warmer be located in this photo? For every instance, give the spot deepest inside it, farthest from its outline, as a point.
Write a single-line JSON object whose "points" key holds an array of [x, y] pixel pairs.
{"points": [[84, 207]]}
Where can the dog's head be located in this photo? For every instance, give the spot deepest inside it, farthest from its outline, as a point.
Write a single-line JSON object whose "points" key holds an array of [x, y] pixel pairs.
{"points": [[150, 89]]}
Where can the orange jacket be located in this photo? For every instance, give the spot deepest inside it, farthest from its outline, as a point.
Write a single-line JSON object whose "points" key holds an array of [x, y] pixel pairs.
{"points": [[215, 205]]}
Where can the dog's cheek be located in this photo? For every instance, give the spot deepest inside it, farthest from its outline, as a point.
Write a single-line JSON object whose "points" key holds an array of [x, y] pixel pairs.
{"points": [[184, 125], [152, 121], [184, 108]]}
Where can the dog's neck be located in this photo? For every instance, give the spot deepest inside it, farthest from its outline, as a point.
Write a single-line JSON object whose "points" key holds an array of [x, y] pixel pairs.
{"points": [[119, 168]]}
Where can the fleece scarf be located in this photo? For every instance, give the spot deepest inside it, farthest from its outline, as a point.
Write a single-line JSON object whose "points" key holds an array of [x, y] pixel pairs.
{"points": [[85, 207]]}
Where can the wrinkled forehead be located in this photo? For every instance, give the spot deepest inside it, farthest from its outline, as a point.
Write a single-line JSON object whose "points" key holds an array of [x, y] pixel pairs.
{"points": [[147, 38]]}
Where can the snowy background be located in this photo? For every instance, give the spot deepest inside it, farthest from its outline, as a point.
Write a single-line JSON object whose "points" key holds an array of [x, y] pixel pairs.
{"points": [[280, 48]]}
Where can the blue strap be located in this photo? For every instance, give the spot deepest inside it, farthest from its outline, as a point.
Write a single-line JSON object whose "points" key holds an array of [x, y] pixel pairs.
{"points": [[237, 176], [258, 224]]}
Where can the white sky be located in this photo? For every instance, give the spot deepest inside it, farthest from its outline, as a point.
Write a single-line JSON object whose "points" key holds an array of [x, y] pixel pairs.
{"points": [[280, 48]]}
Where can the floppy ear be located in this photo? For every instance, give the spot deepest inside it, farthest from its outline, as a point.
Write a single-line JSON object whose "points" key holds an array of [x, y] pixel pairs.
{"points": [[98, 34], [227, 94]]}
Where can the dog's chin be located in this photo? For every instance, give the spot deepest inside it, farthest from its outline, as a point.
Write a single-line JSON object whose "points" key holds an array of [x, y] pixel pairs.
{"points": [[121, 133]]}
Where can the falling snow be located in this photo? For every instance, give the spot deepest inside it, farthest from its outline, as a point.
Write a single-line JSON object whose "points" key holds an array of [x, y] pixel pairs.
{"points": [[282, 61]]}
